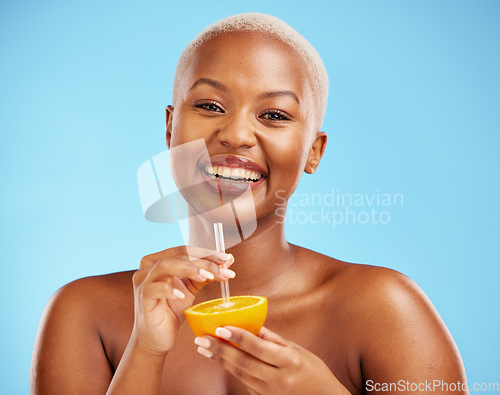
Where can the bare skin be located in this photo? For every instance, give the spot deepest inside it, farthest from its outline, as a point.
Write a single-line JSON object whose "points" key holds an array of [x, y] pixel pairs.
{"points": [[331, 325]]}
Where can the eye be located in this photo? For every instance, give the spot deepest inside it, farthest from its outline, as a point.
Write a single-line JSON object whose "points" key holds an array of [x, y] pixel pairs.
{"points": [[210, 105], [275, 115]]}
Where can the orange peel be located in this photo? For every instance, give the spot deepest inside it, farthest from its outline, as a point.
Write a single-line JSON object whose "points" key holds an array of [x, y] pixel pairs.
{"points": [[247, 312]]}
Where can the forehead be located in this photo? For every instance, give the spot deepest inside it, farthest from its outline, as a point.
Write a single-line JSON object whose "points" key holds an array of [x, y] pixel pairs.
{"points": [[249, 60]]}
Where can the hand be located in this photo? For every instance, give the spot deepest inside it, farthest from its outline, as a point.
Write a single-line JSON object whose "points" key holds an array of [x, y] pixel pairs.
{"points": [[165, 285], [269, 364]]}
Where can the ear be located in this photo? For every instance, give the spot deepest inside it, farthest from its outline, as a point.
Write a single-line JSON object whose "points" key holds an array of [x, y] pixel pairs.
{"points": [[316, 152], [169, 112]]}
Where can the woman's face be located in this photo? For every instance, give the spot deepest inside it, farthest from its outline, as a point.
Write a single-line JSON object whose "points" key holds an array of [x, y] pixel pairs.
{"points": [[249, 98]]}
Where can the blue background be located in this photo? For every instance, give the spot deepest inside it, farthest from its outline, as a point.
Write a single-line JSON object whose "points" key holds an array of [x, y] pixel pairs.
{"points": [[413, 109]]}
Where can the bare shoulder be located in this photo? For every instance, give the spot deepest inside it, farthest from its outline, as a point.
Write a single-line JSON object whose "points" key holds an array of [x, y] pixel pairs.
{"points": [[93, 298], [393, 325], [71, 339], [88, 290], [376, 284], [383, 297], [373, 289], [114, 282]]}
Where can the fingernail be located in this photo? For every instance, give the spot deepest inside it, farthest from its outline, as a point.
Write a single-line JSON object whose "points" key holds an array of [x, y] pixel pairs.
{"points": [[203, 342], [206, 274], [223, 332], [178, 293], [205, 352], [227, 272], [223, 256]]}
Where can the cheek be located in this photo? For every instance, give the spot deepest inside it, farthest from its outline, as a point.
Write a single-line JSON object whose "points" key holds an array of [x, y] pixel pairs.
{"points": [[289, 155], [186, 129], [287, 166]]}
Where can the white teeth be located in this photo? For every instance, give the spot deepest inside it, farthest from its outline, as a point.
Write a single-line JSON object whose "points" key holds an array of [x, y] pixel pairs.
{"points": [[253, 175], [235, 173], [225, 172]]}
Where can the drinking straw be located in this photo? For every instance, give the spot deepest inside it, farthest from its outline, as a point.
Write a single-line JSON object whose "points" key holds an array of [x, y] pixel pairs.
{"points": [[219, 245]]}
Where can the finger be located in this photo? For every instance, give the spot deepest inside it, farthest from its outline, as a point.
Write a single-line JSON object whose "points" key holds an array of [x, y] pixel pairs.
{"points": [[246, 368], [254, 383], [164, 270], [240, 360], [269, 335], [187, 287], [267, 351], [220, 258], [220, 272], [218, 268], [191, 252], [199, 271], [153, 292], [139, 277]]}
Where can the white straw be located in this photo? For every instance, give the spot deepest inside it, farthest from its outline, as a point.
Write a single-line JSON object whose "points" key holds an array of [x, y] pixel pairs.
{"points": [[219, 245]]}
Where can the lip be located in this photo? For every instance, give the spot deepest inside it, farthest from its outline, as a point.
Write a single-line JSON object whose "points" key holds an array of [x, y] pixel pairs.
{"points": [[230, 187], [235, 161]]}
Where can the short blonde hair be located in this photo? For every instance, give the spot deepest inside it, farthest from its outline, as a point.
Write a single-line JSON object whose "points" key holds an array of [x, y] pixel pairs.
{"points": [[256, 22]]}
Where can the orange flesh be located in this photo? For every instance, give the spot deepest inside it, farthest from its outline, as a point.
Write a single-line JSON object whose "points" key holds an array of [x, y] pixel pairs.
{"points": [[216, 306]]}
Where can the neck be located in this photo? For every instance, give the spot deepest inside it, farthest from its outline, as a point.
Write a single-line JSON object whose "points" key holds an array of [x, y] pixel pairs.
{"points": [[262, 261]]}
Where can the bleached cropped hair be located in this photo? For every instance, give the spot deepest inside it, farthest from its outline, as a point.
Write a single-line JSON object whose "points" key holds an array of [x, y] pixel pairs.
{"points": [[256, 22]]}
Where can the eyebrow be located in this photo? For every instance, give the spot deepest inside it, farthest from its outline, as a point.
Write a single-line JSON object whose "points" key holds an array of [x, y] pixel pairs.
{"points": [[281, 93], [208, 81], [217, 85]]}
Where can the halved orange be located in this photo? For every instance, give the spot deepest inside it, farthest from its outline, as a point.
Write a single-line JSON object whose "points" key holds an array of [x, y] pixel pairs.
{"points": [[247, 312]]}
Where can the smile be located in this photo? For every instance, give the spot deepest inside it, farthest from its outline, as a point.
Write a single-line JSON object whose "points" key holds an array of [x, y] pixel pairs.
{"points": [[233, 173]]}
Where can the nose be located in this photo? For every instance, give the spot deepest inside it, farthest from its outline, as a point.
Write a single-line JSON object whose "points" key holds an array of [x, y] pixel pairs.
{"points": [[237, 132]]}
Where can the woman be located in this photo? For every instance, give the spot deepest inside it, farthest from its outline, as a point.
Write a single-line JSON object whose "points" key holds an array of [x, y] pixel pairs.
{"points": [[254, 91]]}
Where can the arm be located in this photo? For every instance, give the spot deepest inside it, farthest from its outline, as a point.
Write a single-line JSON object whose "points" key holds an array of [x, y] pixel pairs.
{"points": [[69, 357], [68, 349], [406, 342], [401, 338], [139, 371], [164, 286]]}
